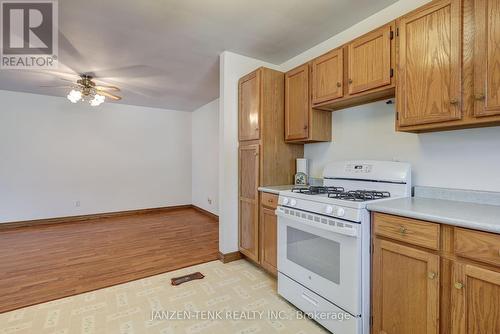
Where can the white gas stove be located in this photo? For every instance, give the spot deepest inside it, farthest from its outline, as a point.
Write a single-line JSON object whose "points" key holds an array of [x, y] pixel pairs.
{"points": [[324, 241]]}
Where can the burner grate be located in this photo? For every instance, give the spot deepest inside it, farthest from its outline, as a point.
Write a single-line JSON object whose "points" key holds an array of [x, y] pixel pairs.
{"points": [[360, 195], [316, 190]]}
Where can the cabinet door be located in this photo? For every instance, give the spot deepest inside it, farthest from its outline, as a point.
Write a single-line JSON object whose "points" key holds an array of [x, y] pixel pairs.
{"points": [[268, 240], [429, 87], [370, 61], [249, 201], [249, 106], [475, 300], [327, 76], [297, 106], [405, 290], [487, 58]]}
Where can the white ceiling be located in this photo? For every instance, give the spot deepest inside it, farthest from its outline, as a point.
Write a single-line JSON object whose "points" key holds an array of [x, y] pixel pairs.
{"points": [[165, 53]]}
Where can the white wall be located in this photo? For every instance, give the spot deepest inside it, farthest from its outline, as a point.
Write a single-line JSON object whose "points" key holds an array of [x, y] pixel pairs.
{"points": [[111, 158], [232, 67], [466, 159], [205, 157]]}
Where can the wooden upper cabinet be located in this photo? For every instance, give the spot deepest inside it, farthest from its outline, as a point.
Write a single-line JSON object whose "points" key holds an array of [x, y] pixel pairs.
{"points": [[303, 123], [327, 76], [249, 106], [370, 60], [297, 103], [475, 300], [249, 200], [405, 290], [429, 80], [487, 58]]}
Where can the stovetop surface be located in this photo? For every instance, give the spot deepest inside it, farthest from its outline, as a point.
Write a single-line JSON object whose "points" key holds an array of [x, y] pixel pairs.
{"points": [[361, 195]]}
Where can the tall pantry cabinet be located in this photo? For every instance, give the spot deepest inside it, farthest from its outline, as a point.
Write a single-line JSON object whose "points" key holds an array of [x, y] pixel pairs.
{"points": [[264, 157]]}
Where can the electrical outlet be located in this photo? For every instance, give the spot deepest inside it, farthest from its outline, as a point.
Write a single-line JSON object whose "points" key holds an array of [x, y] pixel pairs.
{"points": [[77, 204]]}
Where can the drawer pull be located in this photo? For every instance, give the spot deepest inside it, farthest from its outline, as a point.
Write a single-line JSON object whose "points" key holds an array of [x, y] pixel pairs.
{"points": [[402, 229], [309, 299], [431, 275], [458, 285]]}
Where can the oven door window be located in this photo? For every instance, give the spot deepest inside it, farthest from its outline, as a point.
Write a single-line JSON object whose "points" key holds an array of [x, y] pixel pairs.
{"points": [[314, 253]]}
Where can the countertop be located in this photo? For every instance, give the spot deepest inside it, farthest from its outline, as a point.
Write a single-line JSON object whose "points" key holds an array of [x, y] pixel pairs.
{"points": [[275, 189], [484, 217]]}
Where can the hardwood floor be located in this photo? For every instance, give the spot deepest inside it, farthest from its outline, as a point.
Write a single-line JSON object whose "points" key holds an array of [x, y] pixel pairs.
{"points": [[47, 262]]}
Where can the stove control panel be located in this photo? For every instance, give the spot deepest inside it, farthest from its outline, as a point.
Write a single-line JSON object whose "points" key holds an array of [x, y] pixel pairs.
{"points": [[335, 211]]}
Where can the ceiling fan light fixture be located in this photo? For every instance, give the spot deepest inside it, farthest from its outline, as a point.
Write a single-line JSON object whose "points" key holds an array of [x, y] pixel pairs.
{"points": [[74, 96], [97, 100]]}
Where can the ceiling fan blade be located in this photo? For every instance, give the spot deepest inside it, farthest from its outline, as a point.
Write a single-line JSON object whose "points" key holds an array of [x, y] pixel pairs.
{"points": [[107, 87], [135, 71], [111, 96], [55, 86]]}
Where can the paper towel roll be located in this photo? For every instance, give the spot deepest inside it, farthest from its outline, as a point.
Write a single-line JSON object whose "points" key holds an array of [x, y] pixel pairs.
{"points": [[302, 166]]}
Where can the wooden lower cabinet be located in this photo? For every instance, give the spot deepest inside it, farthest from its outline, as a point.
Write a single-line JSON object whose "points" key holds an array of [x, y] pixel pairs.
{"points": [[269, 240], [475, 300], [249, 200], [454, 289], [405, 289]]}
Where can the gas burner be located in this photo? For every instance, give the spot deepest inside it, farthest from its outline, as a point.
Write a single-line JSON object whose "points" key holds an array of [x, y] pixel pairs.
{"points": [[317, 190], [360, 195]]}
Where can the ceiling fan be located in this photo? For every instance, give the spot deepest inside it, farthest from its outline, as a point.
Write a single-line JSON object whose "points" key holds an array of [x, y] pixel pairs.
{"points": [[85, 89]]}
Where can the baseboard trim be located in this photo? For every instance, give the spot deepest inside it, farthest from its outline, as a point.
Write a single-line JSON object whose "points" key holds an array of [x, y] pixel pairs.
{"points": [[205, 212], [229, 257], [73, 219]]}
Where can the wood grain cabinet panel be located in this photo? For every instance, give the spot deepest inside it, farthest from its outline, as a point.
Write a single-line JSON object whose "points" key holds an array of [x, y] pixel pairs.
{"points": [[249, 107], [269, 240], [249, 200], [304, 124], [370, 61], [405, 290], [408, 230], [429, 80], [478, 246], [487, 58], [475, 303], [269, 200], [265, 159], [327, 76], [297, 103]]}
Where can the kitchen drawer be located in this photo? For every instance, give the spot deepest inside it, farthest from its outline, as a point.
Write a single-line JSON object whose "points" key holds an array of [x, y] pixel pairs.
{"points": [[416, 232], [269, 200], [313, 304], [479, 246]]}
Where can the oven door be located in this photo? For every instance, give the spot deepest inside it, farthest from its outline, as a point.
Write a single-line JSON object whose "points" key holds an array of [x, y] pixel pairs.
{"points": [[323, 254]]}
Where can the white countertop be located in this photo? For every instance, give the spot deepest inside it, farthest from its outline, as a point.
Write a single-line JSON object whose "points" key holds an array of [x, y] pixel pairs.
{"points": [[476, 216], [275, 189]]}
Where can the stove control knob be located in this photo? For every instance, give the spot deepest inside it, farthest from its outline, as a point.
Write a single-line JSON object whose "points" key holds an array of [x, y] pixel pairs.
{"points": [[340, 212], [285, 201], [329, 209], [293, 202]]}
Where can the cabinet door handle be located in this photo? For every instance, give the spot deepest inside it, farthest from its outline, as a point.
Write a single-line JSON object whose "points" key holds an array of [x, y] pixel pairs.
{"points": [[479, 97], [305, 127], [256, 129], [339, 84], [431, 275], [458, 285], [350, 81]]}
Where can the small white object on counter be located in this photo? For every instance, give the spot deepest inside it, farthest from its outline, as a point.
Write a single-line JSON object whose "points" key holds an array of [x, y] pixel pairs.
{"points": [[275, 189]]}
